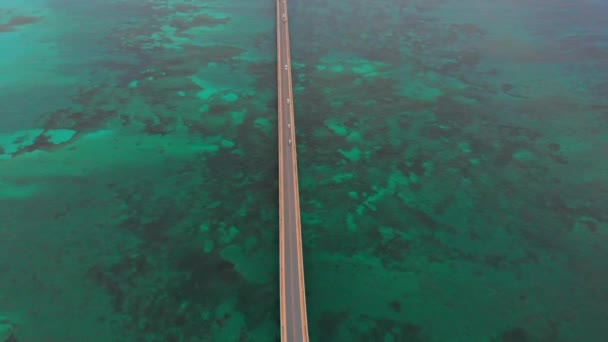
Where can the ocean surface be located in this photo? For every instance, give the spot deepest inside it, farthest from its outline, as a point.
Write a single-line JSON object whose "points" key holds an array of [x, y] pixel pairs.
{"points": [[453, 164]]}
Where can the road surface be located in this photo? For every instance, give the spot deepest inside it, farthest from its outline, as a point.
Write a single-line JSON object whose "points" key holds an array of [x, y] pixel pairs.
{"points": [[294, 327]]}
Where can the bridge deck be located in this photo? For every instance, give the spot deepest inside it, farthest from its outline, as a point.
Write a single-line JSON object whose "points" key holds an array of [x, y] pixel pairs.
{"points": [[294, 327]]}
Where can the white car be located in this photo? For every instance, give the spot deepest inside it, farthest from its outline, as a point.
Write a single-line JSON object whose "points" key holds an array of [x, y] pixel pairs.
{"points": [[285, 66], [289, 141], [288, 125], [288, 101]]}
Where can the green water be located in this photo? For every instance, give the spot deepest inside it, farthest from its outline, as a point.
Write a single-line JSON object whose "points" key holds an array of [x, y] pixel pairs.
{"points": [[452, 164]]}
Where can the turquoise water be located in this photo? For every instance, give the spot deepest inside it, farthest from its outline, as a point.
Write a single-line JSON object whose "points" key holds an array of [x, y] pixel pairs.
{"points": [[452, 170]]}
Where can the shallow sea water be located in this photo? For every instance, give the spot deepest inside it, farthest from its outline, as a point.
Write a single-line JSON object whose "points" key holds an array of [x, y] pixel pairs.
{"points": [[452, 169]]}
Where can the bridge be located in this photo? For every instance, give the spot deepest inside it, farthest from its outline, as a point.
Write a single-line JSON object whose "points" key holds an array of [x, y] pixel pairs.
{"points": [[294, 326]]}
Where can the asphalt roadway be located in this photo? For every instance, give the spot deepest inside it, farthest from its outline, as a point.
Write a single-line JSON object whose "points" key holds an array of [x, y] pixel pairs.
{"points": [[294, 327]]}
